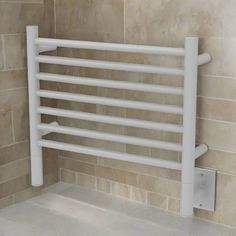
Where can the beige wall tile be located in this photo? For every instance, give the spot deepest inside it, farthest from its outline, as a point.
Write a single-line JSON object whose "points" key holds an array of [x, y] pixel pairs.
{"points": [[15, 51], [119, 189], [174, 205], [212, 109], [153, 134], [105, 21], [217, 87], [34, 14], [138, 150], [26, 194], [219, 160], [21, 124], [77, 166], [139, 168], [6, 135], [125, 177], [217, 135], [138, 195], [50, 178], [50, 160], [14, 152], [225, 200], [153, 116], [13, 186], [6, 201], [13, 79], [47, 19], [208, 215], [79, 157], [14, 162], [87, 181], [223, 56], [24, 1], [229, 16], [159, 185], [68, 176], [174, 19], [14, 169], [1, 53], [117, 175], [104, 172], [157, 200], [13, 99], [103, 185]]}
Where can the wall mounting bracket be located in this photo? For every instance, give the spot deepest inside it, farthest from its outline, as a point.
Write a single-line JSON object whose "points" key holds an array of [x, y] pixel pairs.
{"points": [[204, 189]]}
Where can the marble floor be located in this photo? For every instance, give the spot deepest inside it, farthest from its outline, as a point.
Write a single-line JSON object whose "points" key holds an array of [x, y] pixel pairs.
{"points": [[68, 210]]}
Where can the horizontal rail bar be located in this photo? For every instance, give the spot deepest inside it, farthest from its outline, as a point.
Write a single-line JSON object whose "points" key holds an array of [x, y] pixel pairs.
{"points": [[110, 84], [111, 119], [109, 101], [99, 64], [111, 46], [110, 154], [110, 137]]}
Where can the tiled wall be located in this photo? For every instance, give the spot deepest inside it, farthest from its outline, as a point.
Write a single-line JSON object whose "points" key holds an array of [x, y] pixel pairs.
{"points": [[157, 22], [14, 144]]}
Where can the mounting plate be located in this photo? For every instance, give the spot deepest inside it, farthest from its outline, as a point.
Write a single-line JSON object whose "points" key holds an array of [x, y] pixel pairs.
{"points": [[204, 189]]}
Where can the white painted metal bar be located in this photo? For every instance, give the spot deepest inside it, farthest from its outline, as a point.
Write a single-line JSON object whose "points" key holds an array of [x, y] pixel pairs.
{"points": [[111, 46], [189, 125], [46, 48], [111, 137], [200, 150], [110, 101], [34, 102], [45, 132], [99, 64], [110, 84], [111, 119], [192, 60], [204, 58], [111, 154]]}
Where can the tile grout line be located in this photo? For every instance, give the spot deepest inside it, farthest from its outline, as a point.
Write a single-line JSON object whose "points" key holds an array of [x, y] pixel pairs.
{"points": [[13, 127], [40, 2], [14, 34], [14, 178], [4, 53], [216, 98], [55, 17], [14, 162], [218, 121], [124, 20], [209, 76], [13, 69], [13, 89], [137, 173], [11, 144]]}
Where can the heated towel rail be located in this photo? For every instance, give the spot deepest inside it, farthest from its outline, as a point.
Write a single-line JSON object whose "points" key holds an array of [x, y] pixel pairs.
{"points": [[189, 151]]}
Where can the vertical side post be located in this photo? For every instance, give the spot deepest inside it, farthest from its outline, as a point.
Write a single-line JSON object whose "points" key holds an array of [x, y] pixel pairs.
{"points": [[189, 125], [34, 103]]}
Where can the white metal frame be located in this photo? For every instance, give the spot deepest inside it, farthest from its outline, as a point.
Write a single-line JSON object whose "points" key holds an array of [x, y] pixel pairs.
{"points": [[192, 60]]}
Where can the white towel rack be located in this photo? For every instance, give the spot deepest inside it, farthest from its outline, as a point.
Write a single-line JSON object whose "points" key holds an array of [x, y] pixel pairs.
{"points": [[192, 60]]}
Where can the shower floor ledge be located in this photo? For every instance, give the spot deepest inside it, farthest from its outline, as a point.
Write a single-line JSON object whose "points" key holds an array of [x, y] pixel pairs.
{"points": [[68, 210]]}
